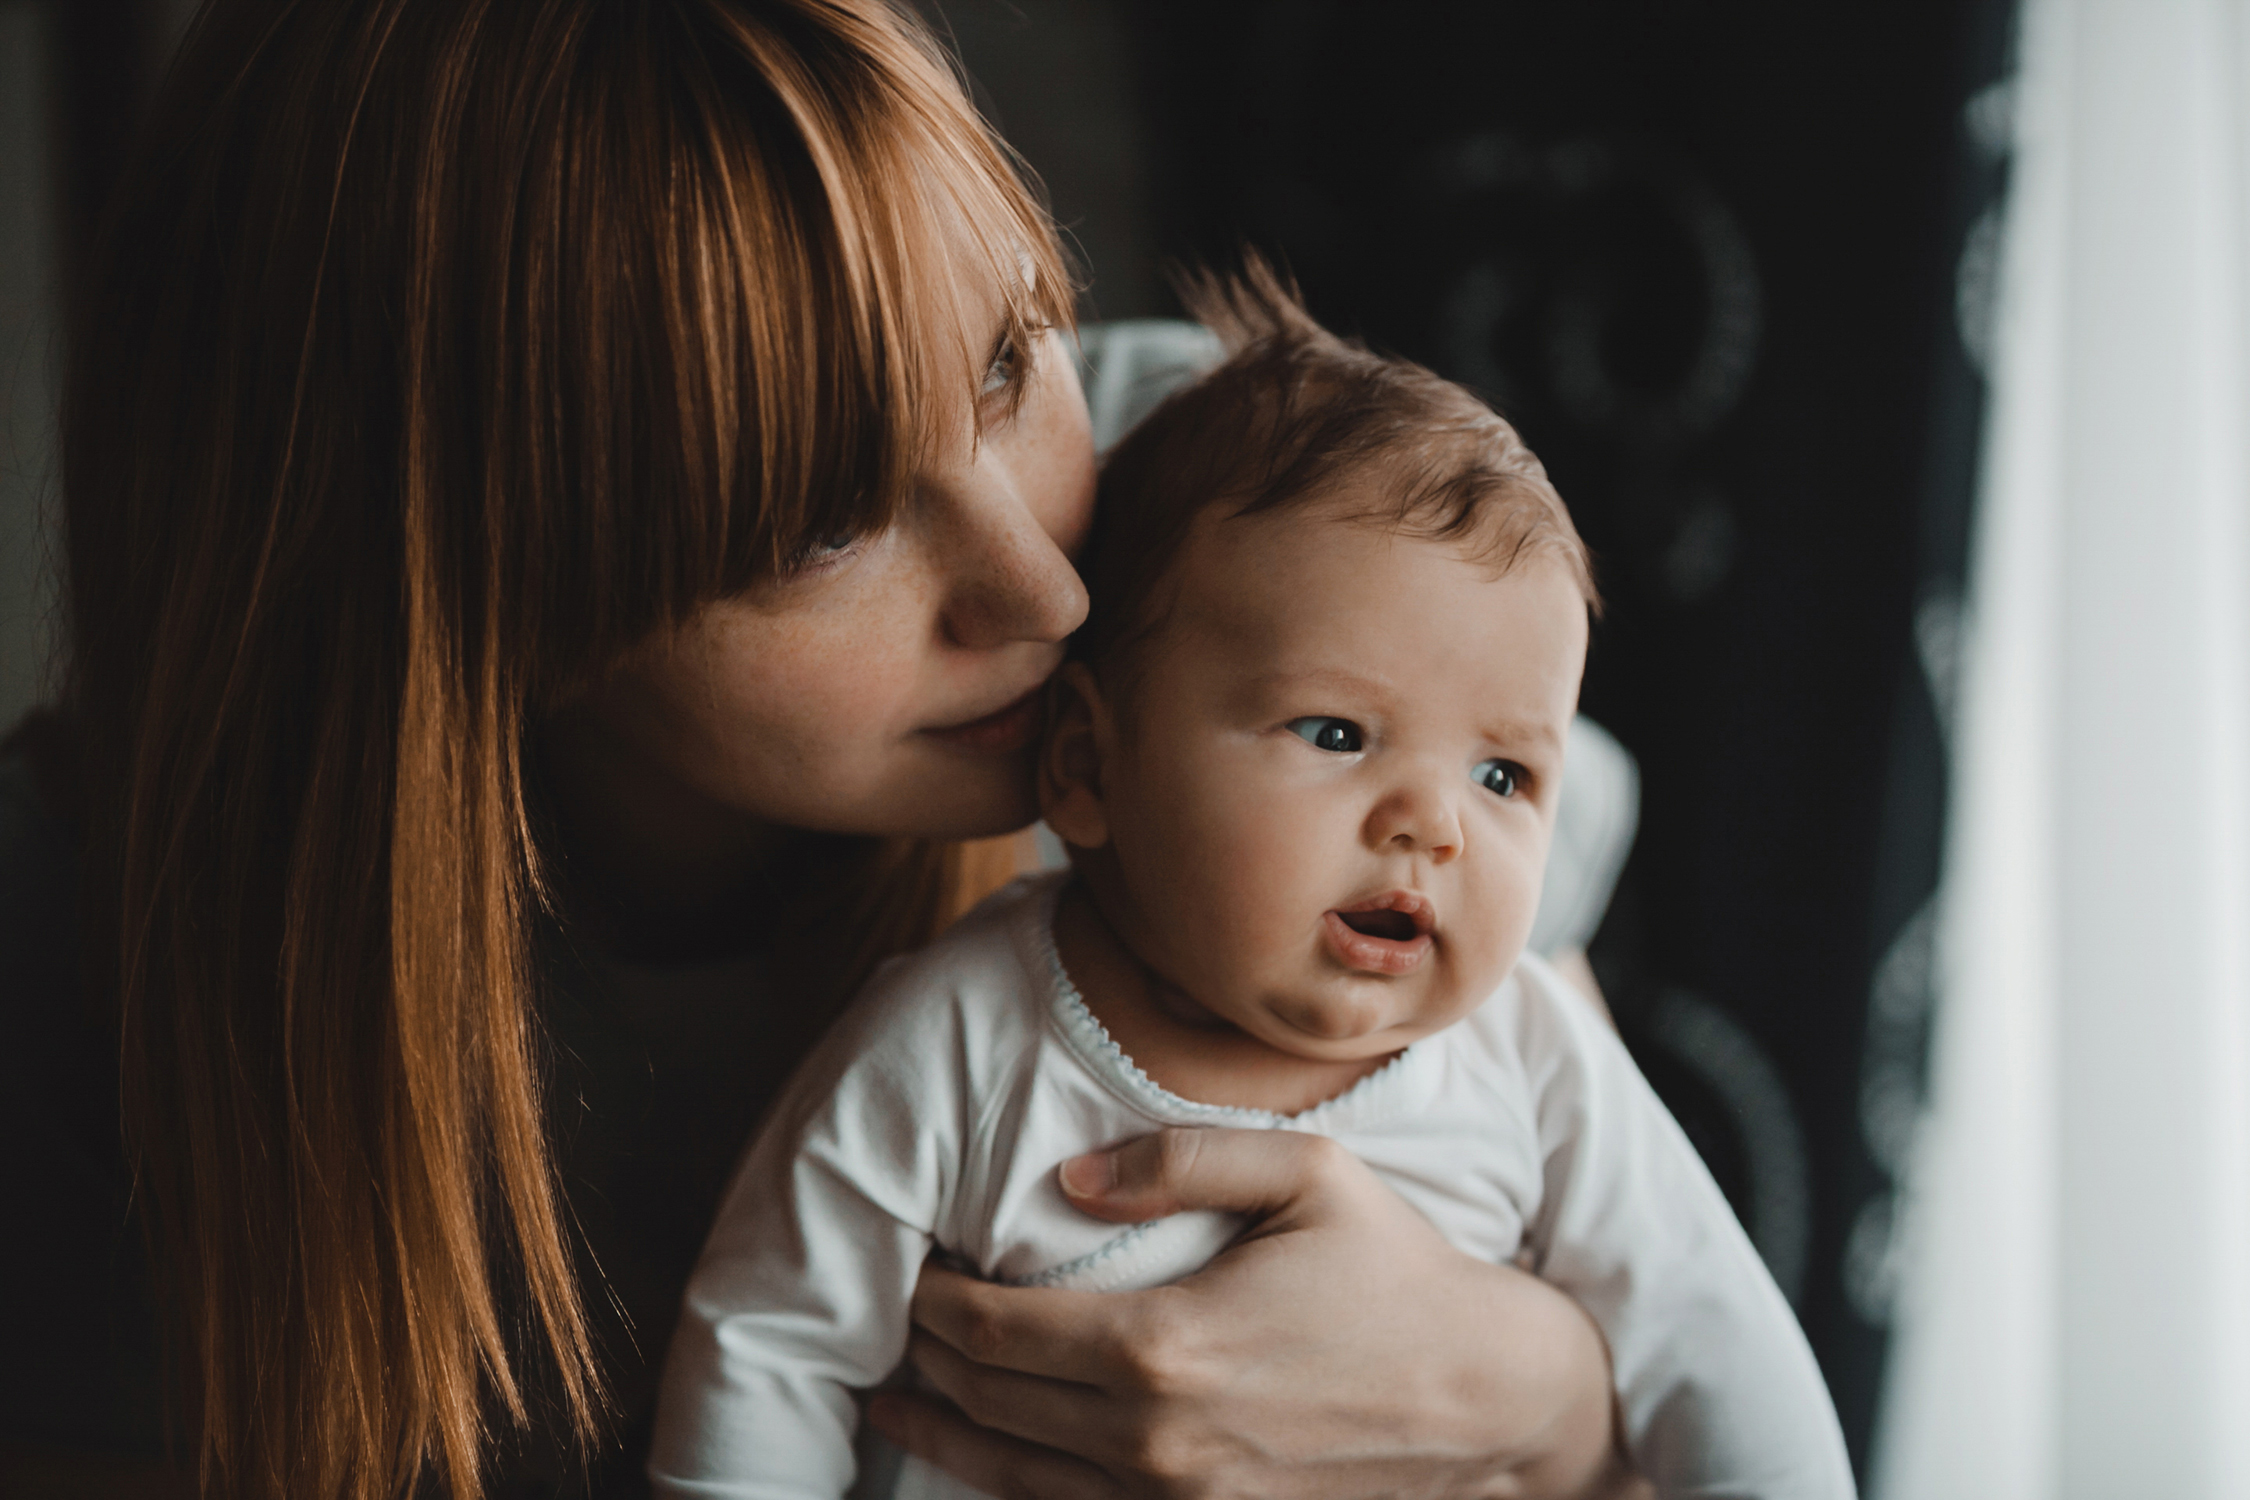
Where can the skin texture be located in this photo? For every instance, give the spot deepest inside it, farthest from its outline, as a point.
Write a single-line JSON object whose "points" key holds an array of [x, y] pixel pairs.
{"points": [[1228, 855], [811, 705]]}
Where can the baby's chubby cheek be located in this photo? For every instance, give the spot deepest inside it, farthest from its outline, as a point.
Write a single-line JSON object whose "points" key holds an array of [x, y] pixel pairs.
{"points": [[1214, 876], [1236, 890], [1485, 945], [1243, 873]]}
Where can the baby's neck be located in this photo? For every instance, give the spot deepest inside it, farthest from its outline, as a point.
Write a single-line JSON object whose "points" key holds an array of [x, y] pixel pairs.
{"points": [[1184, 1051]]}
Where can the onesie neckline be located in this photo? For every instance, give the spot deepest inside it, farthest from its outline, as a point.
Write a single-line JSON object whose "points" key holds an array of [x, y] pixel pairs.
{"points": [[1400, 1085]]}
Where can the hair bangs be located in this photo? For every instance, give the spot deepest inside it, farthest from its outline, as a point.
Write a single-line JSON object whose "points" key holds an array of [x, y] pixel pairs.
{"points": [[819, 251]]}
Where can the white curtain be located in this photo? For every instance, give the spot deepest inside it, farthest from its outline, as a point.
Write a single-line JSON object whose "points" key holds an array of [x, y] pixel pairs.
{"points": [[2075, 1313]]}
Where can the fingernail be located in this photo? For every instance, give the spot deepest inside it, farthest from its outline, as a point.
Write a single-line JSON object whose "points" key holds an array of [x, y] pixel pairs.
{"points": [[1091, 1175]]}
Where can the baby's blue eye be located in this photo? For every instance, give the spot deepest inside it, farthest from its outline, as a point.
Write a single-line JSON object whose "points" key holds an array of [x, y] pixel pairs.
{"points": [[1339, 735], [1500, 777]]}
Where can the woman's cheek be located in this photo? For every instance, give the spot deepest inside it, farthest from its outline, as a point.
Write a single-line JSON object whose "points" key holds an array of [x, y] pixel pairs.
{"points": [[786, 725], [1057, 449], [835, 676]]}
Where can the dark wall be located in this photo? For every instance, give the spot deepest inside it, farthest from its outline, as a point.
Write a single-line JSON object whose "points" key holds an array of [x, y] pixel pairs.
{"points": [[1709, 257]]}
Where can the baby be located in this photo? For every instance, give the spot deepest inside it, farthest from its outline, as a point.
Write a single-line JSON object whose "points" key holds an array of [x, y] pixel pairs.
{"points": [[1306, 758]]}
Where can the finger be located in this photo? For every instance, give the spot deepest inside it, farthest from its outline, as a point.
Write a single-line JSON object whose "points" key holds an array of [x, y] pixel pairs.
{"points": [[988, 1461], [1257, 1172], [1056, 1413], [1063, 1335]]}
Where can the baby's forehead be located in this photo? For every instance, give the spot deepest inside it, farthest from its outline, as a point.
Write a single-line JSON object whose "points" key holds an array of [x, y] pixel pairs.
{"points": [[1231, 559], [1333, 572]]}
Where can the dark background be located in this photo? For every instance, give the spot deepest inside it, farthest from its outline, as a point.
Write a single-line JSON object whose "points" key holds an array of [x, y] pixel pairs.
{"points": [[1726, 265]]}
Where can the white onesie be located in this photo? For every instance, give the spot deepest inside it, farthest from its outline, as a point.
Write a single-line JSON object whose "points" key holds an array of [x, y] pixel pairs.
{"points": [[933, 1116]]}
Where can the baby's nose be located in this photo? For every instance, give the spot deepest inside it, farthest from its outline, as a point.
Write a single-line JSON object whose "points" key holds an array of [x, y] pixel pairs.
{"points": [[1417, 816]]}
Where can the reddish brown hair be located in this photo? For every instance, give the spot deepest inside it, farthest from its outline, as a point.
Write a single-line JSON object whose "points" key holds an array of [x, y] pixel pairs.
{"points": [[1293, 413], [440, 349]]}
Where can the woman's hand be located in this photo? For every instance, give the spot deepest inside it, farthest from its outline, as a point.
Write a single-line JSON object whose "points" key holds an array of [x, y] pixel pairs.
{"points": [[1340, 1348]]}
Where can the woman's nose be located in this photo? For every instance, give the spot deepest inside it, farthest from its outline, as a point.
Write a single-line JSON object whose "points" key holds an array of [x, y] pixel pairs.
{"points": [[1417, 816], [1008, 578], [1011, 581]]}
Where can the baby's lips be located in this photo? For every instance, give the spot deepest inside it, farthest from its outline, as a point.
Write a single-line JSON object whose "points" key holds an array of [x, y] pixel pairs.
{"points": [[1371, 954], [1412, 904]]}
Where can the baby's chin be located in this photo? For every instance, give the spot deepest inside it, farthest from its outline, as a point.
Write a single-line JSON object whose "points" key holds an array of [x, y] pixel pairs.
{"points": [[1332, 1029], [1360, 1019]]}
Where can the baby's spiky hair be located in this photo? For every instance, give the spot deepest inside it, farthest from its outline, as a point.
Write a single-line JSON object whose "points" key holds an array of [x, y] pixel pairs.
{"points": [[1296, 414]]}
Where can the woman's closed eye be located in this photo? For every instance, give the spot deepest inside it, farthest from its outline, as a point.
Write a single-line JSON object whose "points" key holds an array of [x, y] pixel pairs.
{"points": [[1502, 778], [1340, 736], [821, 553]]}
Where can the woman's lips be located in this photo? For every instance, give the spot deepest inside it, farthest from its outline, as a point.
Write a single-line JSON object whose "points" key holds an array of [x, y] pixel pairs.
{"points": [[1374, 952], [1001, 732]]}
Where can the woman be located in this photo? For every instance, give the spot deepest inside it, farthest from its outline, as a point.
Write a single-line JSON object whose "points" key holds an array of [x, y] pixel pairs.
{"points": [[569, 507]]}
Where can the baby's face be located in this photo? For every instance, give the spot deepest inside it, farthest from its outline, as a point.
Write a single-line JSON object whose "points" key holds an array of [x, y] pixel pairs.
{"points": [[1329, 798]]}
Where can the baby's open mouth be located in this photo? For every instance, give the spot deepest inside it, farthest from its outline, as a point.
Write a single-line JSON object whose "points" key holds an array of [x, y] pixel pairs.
{"points": [[1395, 925], [1389, 934]]}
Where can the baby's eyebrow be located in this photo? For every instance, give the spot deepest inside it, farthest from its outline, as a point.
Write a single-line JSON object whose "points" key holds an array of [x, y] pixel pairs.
{"points": [[1332, 679], [1516, 732]]}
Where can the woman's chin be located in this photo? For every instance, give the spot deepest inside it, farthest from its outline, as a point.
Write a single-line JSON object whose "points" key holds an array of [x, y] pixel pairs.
{"points": [[969, 807], [917, 797]]}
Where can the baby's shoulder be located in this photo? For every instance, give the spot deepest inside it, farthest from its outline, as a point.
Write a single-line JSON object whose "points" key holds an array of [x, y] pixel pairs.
{"points": [[1533, 1020], [975, 995]]}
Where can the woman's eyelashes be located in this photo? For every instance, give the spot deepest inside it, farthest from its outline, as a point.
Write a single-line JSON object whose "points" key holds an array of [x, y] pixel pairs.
{"points": [[821, 554], [1002, 370], [1007, 368], [1340, 736]]}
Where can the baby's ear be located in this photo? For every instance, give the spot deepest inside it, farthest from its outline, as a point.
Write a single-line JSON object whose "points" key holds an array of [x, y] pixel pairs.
{"points": [[1070, 763]]}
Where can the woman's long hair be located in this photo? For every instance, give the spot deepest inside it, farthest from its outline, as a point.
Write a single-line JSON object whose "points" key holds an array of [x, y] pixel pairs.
{"points": [[438, 350]]}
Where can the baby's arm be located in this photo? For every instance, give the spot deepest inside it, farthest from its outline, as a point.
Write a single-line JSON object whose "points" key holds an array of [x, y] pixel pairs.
{"points": [[801, 1293], [1720, 1393]]}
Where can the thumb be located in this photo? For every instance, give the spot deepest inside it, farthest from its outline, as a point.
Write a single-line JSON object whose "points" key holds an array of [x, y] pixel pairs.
{"points": [[1255, 1172]]}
